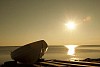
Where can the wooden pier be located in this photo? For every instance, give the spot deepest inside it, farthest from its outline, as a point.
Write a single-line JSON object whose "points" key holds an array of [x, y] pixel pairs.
{"points": [[61, 63], [52, 63]]}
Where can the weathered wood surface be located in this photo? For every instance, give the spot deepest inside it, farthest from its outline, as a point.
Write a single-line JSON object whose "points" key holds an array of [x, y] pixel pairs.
{"points": [[60, 63], [53, 63]]}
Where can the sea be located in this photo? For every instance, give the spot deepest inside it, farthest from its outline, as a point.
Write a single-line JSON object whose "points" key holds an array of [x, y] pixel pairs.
{"points": [[81, 52]]}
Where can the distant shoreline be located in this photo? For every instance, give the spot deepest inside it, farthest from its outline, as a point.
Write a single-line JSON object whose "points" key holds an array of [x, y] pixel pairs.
{"points": [[56, 46]]}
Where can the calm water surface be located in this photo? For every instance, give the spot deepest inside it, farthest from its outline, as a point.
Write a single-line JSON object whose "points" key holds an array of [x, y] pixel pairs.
{"points": [[58, 52]]}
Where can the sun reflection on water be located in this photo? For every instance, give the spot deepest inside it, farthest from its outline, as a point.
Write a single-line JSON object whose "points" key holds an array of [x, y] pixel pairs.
{"points": [[71, 49]]}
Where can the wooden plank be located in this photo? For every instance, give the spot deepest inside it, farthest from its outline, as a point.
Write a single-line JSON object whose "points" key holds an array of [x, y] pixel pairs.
{"points": [[70, 64], [52, 64], [79, 62], [60, 63]]}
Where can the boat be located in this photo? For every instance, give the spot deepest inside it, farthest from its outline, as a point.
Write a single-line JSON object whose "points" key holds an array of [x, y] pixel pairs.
{"points": [[30, 53]]}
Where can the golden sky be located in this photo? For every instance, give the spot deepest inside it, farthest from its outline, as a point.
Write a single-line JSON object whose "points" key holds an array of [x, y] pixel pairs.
{"points": [[25, 21]]}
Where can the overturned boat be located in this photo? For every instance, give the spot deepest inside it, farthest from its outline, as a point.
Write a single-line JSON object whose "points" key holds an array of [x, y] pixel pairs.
{"points": [[30, 53]]}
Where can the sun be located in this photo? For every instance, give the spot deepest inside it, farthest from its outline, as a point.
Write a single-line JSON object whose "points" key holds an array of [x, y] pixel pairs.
{"points": [[71, 25]]}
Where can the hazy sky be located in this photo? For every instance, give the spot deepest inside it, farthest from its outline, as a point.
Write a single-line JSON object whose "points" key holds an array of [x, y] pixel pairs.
{"points": [[25, 21]]}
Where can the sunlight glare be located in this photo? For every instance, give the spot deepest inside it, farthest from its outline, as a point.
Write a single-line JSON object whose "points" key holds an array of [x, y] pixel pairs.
{"points": [[71, 25], [71, 49]]}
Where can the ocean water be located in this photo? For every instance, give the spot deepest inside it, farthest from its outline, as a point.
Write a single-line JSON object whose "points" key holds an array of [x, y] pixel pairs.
{"points": [[57, 52]]}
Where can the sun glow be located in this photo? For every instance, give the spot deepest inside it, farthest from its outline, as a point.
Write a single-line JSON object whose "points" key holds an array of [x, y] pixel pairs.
{"points": [[71, 49], [71, 25]]}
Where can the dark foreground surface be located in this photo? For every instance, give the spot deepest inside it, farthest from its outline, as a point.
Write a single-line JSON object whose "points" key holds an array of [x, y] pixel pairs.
{"points": [[53, 63]]}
